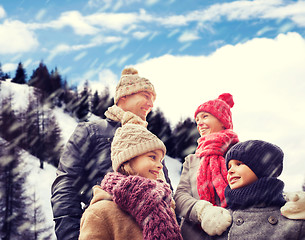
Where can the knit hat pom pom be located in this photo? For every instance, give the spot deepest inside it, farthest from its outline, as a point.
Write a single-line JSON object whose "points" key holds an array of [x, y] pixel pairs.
{"points": [[129, 71], [228, 98]]}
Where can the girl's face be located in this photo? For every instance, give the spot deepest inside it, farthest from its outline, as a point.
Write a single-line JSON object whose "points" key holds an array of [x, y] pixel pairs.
{"points": [[207, 124], [239, 174], [148, 165]]}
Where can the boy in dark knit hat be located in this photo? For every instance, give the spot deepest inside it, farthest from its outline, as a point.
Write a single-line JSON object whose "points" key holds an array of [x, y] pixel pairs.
{"points": [[255, 194]]}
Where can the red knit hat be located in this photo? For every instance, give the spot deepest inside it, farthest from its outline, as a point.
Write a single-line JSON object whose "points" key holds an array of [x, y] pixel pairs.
{"points": [[219, 108]]}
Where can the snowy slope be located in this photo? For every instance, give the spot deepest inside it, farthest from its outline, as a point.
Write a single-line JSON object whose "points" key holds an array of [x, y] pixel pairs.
{"points": [[39, 183], [40, 180]]}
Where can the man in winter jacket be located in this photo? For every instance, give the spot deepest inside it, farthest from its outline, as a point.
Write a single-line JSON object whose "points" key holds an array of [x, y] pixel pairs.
{"points": [[86, 157]]}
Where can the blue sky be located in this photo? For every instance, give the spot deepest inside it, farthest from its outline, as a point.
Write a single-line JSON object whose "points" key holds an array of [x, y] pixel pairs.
{"points": [[191, 50]]}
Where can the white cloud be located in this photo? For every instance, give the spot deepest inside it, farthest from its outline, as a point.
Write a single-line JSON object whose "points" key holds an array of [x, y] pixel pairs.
{"points": [[16, 38], [9, 67], [113, 4], [80, 56], [188, 36], [140, 35], [40, 14], [259, 65], [265, 77], [242, 10], [113, 21], [104, 78], [97, 41], [2, 12], [264, 30], [76, 21]]}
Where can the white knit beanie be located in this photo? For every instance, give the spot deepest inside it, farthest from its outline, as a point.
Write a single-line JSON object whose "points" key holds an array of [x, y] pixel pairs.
{"points": [[130, 83], [133, 140]]}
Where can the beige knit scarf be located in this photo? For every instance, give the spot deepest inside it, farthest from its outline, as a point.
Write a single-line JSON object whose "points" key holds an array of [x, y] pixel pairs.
{"points": [[117, 114]]}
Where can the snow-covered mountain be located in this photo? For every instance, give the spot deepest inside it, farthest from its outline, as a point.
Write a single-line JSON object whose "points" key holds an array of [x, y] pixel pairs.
{"points": [[39, 180]]}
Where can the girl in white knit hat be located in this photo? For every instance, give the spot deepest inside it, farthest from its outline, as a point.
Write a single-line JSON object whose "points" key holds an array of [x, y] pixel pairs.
{"points": [[133, 202]]}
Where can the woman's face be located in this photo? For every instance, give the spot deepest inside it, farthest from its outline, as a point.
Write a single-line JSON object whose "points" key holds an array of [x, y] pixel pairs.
{"points": [[207, 123]]}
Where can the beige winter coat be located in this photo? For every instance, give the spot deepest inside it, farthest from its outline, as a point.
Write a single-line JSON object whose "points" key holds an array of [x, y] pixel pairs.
{"points": [[104, 220]]}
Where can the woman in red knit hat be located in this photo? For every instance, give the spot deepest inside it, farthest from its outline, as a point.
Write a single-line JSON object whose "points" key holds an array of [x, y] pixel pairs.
{"points": [[199, 197]]}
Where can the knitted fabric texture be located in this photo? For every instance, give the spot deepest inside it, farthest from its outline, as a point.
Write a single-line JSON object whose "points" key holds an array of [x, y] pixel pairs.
{"points": [[263, 158], [264, 192], [130, 83], [219, 108], [212, 172], [147, 201], [133, 140], [117, 114]]}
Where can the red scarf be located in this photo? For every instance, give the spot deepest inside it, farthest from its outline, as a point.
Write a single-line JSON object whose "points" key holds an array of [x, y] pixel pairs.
{"points": [[212, 172]]}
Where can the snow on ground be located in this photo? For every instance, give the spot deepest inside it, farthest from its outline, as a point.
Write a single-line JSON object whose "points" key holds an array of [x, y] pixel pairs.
{"points": [[39, 183], [19, 92], [174, 170]]}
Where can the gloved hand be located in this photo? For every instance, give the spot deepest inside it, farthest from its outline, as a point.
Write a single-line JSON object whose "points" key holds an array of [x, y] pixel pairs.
{"points": [[295, 205], [214, 220]]}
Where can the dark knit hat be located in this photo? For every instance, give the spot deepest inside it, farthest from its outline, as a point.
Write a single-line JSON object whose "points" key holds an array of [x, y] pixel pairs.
{"points": [[263, 158], [219, 108]]}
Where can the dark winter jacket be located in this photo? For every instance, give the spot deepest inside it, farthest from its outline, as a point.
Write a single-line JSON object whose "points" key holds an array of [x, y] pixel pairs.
{"points": [[83, 164]]}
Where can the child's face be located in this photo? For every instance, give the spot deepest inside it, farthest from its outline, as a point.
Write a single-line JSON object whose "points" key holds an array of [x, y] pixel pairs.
{"points": [[239, 174], [148, 165], [207, 123]]}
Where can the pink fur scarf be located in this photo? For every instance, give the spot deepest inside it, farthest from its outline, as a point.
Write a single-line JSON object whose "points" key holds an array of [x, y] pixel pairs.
{"points": [[212, 172], [148, 201]]}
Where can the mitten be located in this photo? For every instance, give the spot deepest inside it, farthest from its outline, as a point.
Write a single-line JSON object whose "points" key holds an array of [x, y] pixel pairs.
{"points": [[214, 220], [295, 205]]}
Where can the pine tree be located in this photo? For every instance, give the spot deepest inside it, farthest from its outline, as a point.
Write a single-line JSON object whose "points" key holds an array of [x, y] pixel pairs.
{"points": [[16, 224], [32, 129], [40, 79], [9, 125], [52, 140], [159, 126], [20, 76], [57, 90], [21, 215], [100, 103], [185, 137], [1, 73], [82, 106]]}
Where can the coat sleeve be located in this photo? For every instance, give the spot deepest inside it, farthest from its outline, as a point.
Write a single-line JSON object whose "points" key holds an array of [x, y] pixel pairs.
{"points": [[66, 195], [183, 197]]}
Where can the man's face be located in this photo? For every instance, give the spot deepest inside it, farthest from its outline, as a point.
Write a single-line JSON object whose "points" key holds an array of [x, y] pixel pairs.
{"points": [[139, 103]]}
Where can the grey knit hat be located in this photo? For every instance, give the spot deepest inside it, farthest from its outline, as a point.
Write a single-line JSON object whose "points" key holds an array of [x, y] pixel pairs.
{"points": [[133, 140], [130, 83], [263, 158]]}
